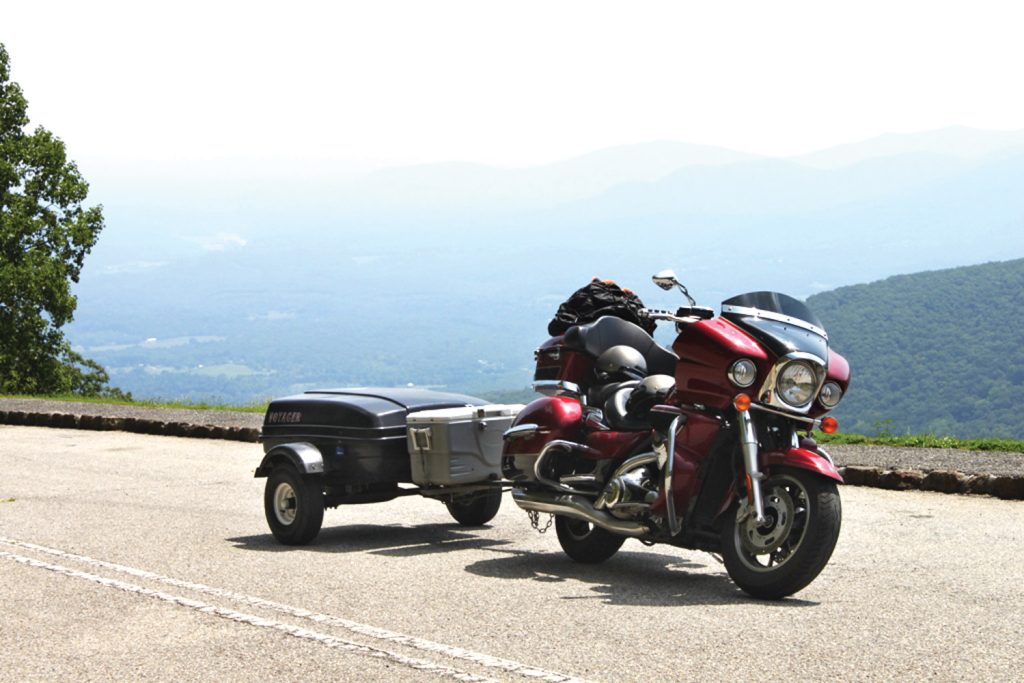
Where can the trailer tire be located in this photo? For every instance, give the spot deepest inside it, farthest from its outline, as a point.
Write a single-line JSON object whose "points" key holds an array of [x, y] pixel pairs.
{"points": [[476, 510], [294, 505]]}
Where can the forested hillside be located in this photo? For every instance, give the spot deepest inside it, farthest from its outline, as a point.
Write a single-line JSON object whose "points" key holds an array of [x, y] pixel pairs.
{"points": [[937, 352]]}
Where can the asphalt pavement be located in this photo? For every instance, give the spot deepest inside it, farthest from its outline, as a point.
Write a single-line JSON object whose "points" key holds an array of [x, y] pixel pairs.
{"points": [[127, 556]]}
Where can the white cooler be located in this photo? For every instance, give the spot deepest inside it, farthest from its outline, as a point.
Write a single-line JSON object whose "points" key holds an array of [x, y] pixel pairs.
{"points": [[458, 445]]}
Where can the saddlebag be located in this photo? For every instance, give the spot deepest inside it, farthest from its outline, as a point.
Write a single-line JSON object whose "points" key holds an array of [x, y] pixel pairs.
{"points": [[458, 445], [360, 433]]}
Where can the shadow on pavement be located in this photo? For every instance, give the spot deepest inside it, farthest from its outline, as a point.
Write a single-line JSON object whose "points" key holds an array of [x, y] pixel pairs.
{"points": [[629, 578], [392, 540]]}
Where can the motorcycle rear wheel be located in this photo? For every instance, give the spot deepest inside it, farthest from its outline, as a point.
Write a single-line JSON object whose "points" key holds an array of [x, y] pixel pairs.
{"points": [[585, 542], [778, 559]]}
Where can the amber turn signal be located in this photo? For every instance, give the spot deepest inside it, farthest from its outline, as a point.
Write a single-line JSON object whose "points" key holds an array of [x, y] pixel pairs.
{"points": [[829, 425], [741, 402]]}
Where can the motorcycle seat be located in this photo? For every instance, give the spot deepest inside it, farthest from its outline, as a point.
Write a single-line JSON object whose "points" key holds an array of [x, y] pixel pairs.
{"points": [[597, 337]]}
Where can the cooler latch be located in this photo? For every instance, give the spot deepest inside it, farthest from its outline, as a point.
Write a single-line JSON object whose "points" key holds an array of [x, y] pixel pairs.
{"points": [[421, 438]]}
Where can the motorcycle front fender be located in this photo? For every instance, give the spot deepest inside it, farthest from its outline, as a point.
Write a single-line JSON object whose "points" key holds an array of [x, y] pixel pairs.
{"points": [[804, 459], [794, 457]]}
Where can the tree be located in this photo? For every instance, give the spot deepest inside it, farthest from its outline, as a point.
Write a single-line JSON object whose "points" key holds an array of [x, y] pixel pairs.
{"points": [[45, 233]]}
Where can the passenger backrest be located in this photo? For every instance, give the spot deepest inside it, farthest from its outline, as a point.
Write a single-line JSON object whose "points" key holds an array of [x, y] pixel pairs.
{"points": [[604, 333]]}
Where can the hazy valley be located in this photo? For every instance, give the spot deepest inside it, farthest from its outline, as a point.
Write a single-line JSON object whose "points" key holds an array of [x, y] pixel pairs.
{"points": [[239, 284]]}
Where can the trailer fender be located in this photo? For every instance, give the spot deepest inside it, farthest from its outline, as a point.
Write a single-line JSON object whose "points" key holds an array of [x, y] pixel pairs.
{"points": [[305, 457]]}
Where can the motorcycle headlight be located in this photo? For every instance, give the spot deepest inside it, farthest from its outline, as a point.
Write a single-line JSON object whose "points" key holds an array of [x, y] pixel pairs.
{"points": [[743, 372], [796, 384], [830, 395]]}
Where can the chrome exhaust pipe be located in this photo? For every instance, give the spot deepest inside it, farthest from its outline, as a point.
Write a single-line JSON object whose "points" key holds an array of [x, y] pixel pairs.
{"points": [[551, 447], [577, 507]]}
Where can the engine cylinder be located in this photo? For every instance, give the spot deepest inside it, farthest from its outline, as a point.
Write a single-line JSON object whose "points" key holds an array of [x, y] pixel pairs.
{"points": [[633, 491]]}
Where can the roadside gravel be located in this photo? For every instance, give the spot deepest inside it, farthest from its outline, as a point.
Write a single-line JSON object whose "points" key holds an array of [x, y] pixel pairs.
{"points": [[996, 463]]}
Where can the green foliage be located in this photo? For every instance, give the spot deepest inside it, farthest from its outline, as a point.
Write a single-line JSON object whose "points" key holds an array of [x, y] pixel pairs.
{"points": [[45, 233], [932, 353], [509, 395]]}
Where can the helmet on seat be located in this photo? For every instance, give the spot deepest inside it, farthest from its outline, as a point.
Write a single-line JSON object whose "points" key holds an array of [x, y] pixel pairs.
{"points": [[650, 392], [622, 362]]}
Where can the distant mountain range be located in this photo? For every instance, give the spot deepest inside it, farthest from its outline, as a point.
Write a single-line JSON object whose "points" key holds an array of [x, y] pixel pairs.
{"points": [[956, 142], [242, 283], [473, 185]]}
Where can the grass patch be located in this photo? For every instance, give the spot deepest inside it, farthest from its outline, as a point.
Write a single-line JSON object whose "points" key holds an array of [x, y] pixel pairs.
{"points": [[258, 407], [6, 500], [924, 441]]}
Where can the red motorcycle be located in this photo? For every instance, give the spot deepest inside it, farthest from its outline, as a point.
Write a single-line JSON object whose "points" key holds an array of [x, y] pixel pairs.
{"points": [[706, 446]]}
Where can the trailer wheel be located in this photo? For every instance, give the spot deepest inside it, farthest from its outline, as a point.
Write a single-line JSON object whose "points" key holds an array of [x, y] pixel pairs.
{"points": [[294, 505], [475, 510]]}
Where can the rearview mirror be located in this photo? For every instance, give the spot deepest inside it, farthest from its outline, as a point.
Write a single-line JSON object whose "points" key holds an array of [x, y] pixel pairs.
{"points": [[666, 279]]}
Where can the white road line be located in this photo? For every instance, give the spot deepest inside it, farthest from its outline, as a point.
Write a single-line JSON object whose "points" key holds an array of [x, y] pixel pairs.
{"points": [[484, 660], [242, 618]]}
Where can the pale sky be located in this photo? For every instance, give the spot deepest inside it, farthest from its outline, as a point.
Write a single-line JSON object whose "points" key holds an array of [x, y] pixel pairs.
{"points": [[509, 83]]}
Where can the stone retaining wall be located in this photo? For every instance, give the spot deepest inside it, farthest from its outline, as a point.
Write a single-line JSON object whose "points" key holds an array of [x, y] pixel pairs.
{"points": [[1006, 487], [127, 424]]}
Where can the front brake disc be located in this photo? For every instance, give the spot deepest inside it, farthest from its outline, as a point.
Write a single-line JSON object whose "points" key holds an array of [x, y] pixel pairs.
{"points": [[760, 539]]}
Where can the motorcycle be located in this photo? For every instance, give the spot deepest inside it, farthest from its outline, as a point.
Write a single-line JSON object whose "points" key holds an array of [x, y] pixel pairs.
{"points": [[707, 446]]}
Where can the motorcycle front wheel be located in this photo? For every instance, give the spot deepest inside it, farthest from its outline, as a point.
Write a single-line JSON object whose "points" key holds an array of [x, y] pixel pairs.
{"points": [[782, 556]]}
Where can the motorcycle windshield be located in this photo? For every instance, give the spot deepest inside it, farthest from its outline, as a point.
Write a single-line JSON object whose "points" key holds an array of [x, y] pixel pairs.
{"points": [[780, 322]]}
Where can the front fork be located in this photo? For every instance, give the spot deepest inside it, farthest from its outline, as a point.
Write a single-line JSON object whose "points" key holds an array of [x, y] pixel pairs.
{"points": [[748, 441]]}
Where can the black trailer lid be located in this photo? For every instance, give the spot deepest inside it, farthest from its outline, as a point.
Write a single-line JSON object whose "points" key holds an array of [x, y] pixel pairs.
{"points": [[350, 411], [410, 398]]}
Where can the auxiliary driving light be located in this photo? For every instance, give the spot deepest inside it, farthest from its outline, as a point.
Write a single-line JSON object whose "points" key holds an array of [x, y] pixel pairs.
{"points": [[743, 372]]}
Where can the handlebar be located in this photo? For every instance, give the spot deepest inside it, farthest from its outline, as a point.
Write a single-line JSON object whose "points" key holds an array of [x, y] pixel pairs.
{"points": [[683, 314]]}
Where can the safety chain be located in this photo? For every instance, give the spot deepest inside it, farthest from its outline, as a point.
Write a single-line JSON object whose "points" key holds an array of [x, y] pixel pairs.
{"points": [[534, 516]]}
